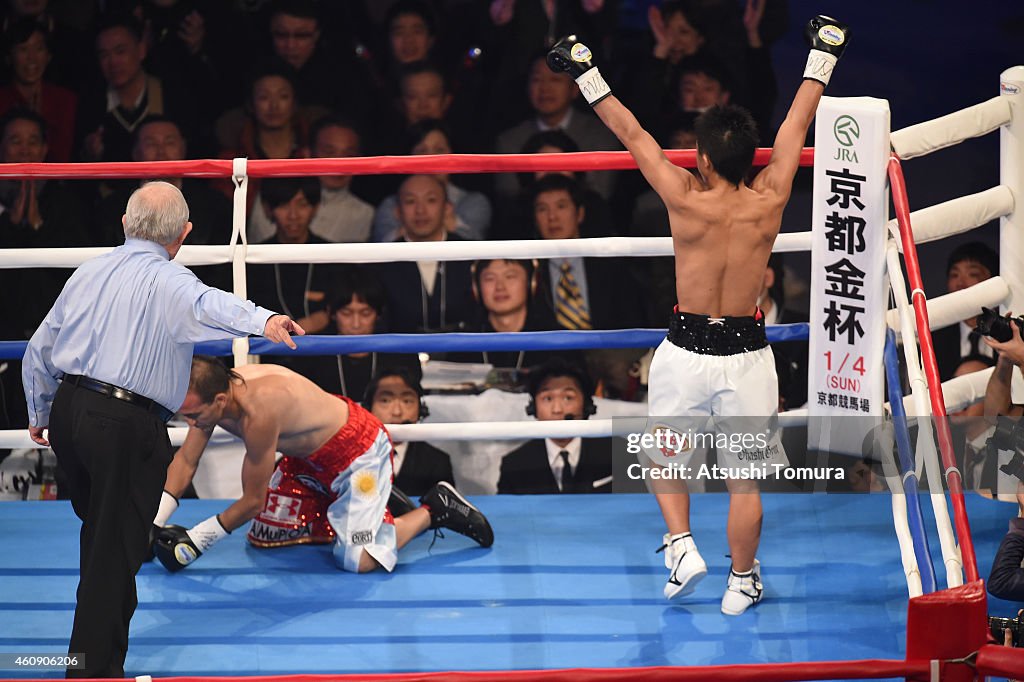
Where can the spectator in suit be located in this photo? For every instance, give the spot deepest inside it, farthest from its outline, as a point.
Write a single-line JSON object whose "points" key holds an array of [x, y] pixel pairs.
{"points": [[967, 265], [515, 222], [552, 96], [356, 307], [36, 213], [506, 293], [291, 204], [323, 77], [971, 429], [395, 396], [585, 293], [426, 295], [559, 390], [109, 113]]}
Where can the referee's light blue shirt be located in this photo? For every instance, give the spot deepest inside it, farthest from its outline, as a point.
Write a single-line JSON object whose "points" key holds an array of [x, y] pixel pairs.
{"points": [[131, 318]]}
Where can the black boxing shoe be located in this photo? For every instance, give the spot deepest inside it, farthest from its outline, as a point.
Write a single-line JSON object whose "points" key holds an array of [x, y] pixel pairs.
{"points": [[399, 504], [449, 509]]}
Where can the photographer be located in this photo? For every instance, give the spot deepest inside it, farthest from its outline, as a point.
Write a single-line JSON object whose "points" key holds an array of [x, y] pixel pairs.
{"points": [[1007, 578], [1012, 349], [997, 392]]}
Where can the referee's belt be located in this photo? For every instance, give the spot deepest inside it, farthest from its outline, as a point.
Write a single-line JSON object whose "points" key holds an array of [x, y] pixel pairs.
{"points": [[119, 393]]}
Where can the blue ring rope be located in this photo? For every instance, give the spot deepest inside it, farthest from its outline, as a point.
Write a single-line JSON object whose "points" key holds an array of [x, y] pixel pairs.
{"points": [[915, 520], [459, 341]]}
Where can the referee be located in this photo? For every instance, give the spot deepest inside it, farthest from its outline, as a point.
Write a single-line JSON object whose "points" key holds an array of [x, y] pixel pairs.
{"points": [[104, 372]]}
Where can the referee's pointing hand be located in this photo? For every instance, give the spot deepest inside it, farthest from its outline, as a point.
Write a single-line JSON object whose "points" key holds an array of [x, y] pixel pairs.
{"points": [[280, 328]]}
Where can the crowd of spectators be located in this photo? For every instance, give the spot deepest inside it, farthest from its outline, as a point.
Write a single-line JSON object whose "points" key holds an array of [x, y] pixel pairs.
{"points": [[151, 80]]}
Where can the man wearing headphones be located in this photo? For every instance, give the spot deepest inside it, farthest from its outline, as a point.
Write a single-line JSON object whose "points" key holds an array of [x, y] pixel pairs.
{"points": [[331, 486], [559, 390], [505, 291], [395, 396]]}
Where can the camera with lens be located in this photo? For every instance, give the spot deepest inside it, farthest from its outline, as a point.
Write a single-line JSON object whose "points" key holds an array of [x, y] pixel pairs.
{"points": [[998, 626], [1009, 436], [992, 324]]}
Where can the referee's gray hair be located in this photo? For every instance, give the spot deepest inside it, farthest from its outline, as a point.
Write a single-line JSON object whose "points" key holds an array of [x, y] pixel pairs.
{"points": [[156, 212]]}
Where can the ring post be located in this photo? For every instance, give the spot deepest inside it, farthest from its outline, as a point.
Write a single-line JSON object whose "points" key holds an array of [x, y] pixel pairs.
{"points": [[240, 178], [1011, 175]]}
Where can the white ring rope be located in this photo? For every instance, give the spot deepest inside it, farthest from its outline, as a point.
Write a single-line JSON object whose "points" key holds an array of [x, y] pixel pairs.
{"points": [[603, 247], [931, 223], [957, 215], [946, 131], [959, 393], [950, 308]]}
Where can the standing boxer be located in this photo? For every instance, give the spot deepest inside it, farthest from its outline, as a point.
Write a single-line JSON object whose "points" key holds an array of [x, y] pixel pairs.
{"points": [[716, 360]]}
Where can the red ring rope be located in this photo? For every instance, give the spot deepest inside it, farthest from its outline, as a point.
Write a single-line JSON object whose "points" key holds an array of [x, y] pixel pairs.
{"points": [[362, 165]]}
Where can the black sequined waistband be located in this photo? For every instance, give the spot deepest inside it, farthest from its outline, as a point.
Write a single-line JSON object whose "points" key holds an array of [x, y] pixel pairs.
{"points": [[717, 335]]}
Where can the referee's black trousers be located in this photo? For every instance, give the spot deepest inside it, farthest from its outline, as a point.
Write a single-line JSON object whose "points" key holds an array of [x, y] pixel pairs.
{"points": [[114, 456]]}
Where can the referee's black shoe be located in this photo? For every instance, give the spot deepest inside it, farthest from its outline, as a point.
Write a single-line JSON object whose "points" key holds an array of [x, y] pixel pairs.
{"points": [[449, 509]]}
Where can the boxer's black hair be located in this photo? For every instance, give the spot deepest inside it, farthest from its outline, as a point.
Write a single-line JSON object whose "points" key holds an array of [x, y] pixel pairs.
{"points": [[728, 136], [210, 376]]}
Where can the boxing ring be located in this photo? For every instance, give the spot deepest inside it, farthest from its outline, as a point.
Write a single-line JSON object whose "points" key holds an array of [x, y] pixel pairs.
{"points": [[570, 589]]}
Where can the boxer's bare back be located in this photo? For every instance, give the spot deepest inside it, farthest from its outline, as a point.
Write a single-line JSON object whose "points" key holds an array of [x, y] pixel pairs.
{"points": [[274, 399], [722, 237]]}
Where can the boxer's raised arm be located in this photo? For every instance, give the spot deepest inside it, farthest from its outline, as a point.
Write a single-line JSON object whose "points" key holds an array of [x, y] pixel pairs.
{"points": [[828, 39], [573, 57]]}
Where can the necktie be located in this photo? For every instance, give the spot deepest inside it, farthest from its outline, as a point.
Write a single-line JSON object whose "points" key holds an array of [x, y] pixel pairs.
{"points": [[570, 308], [566, 472], [972, 341]]}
